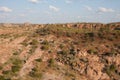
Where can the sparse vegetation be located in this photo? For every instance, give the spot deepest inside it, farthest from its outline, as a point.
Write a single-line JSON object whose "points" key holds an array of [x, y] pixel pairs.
{"points": [[51, 62], [39, 60], [60, 51], [5, 72], [35, 74], [110, 70], [32, 49], [92, 51], [2, 78], [1, 67], [24, 43], [15, 68], [34, 42], [45, 45]]}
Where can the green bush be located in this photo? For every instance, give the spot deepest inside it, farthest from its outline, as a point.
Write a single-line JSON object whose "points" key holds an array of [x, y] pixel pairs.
{"points": [[17, 64], [2, 77], [61, 46], [24, 43], [16, 53], [72, 51], [17, 61], [45, 47], [51, 62], [43, 31], [15, 68], [32, 50], [112, 67], [38, 60], [34, 42], [5, 72], [35, 74], [45, 42], [92, 51], [1, 67], [63, 52], [91, 34]]}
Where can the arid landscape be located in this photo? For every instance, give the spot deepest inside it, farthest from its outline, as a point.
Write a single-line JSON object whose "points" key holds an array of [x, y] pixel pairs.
{"points": [[71, 51]]}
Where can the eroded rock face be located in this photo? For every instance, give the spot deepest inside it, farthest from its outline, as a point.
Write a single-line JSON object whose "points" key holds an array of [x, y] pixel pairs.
{"points": [[7, 24], [94, 70], [94, 26], [27, 24], [112, 26]]}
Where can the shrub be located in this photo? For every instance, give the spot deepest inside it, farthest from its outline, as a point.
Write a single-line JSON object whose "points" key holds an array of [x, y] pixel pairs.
{"points": [[61, 46], [2, 77], [1, 67], [117, 28], [15, 68], [16, 53], [5, 72], [110, 38], [35, 73], [34, 42], [38, 60], [51, 62], [17, 62], [63, 52], [112, 53], [43, 31], [32, 50], [112, 67], [8, 79], [72, 51], [68, 34], [45, 47], [24, 43], [90, 34], [92, 51], [45, 42]]}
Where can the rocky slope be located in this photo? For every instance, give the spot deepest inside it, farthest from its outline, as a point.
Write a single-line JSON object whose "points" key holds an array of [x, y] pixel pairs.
{"points": [[73, 51]]}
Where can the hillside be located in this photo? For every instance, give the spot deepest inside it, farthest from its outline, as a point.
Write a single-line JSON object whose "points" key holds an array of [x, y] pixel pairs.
{"points": [[72, 51]]}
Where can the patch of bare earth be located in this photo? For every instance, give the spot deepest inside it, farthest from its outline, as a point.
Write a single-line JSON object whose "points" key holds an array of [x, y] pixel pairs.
{"points": [[6, 49], [29, 63]]}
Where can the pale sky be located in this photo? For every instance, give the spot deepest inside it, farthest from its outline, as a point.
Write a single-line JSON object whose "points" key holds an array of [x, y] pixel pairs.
{"points": [[59, 11]]}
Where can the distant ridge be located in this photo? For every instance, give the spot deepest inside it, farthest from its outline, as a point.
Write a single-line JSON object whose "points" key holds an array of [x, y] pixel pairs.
{"points": [[82, 25]]}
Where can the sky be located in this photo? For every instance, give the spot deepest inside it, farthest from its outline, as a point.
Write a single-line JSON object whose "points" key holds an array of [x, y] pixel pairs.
{"points": [[59, 11]]}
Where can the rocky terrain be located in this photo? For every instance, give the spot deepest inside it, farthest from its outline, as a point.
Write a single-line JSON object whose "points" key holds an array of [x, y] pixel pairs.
{"points": [[71, 51]]}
